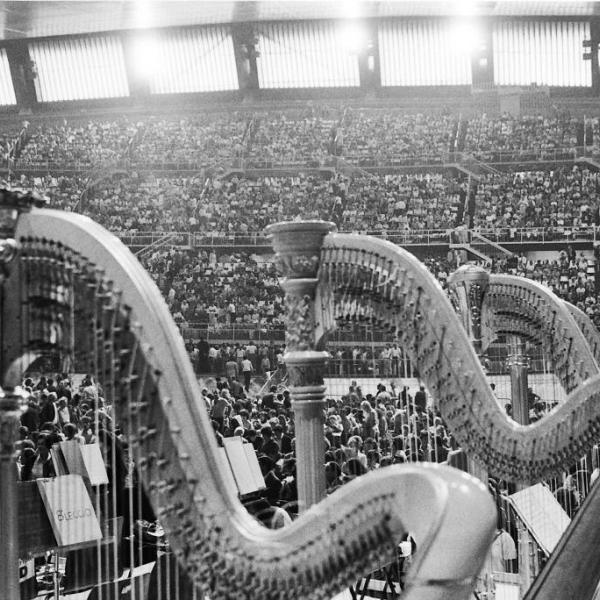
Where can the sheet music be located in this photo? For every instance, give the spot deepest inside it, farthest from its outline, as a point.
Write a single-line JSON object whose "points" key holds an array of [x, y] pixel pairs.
{"points": [[542, 515], [94, 463], [85, 460], [225, 470], [244, 478], [254, 467]]}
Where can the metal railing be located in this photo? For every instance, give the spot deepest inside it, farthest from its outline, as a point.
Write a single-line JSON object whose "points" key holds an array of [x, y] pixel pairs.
{"points": [[488, 247], [148, 238], [529, 154], [366, 161], [167, 240], [234, 333], [231, 334], [396, 160], [225, 240], [60, 167], [540, 234], [400, 237]]}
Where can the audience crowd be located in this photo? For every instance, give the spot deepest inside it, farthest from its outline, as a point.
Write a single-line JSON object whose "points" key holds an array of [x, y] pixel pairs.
{"points": [[562, 200], [238, 290], [561, 204], [362, 433], [77, 144], [235, 290], [385, 205], [241, 291], [386, 137], [506, 138], [309, 136]]}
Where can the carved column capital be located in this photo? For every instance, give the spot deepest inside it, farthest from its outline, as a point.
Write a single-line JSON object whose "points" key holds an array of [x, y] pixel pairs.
{"points": [[297, 245]]}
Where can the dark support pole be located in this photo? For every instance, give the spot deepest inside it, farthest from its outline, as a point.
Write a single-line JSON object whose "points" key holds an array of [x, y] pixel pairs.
{"points": [[369, 68], [23, 74], [245, 49], [482, 57], [595, 38]]}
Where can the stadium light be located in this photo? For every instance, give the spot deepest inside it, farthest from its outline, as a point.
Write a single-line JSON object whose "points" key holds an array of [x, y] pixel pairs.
{"points": [[352, 36], [466, 35], [146, 56]]}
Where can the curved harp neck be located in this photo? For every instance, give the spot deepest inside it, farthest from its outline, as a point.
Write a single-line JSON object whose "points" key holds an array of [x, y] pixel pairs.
{"points": [[135, 347]]}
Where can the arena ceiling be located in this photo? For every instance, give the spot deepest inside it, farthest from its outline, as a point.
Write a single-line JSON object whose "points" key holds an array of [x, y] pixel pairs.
{"points": [[34, 19]]}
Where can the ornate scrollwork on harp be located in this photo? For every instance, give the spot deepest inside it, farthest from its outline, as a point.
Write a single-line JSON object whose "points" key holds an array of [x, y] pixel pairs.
{"points": [[108, 317]]}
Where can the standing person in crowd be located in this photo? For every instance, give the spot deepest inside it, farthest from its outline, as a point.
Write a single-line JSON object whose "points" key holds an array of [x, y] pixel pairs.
{"points": [[421, 400], [213, 354], [221, 410], [395, 358], [265, 365], [247, 370], [252, 355], [231, 369], [370, 420]]}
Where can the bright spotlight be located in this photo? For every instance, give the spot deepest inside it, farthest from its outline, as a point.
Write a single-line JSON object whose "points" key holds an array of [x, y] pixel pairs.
{"points": [[146, 57], [352, 36], [466, 35]]}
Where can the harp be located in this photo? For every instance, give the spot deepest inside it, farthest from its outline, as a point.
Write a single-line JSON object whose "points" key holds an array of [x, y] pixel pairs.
{"points": [[75, 300], [370, 280]]}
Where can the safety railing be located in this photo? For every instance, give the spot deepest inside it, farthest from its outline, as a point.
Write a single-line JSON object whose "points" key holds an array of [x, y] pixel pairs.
{"points": [[369, 366], [148, 238], [364, 161], [540, 234], [524, 155], [400, 237], [233, 333], [488, 247], [396, 160], [225, 240], [423, 237], [48, 166]]}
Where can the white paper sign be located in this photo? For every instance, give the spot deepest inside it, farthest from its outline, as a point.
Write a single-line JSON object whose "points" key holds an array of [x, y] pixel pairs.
{"points": [[69, 509]]}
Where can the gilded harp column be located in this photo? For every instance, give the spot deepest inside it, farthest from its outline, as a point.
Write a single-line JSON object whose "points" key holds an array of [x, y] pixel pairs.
{"points": [[298, 247]]}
